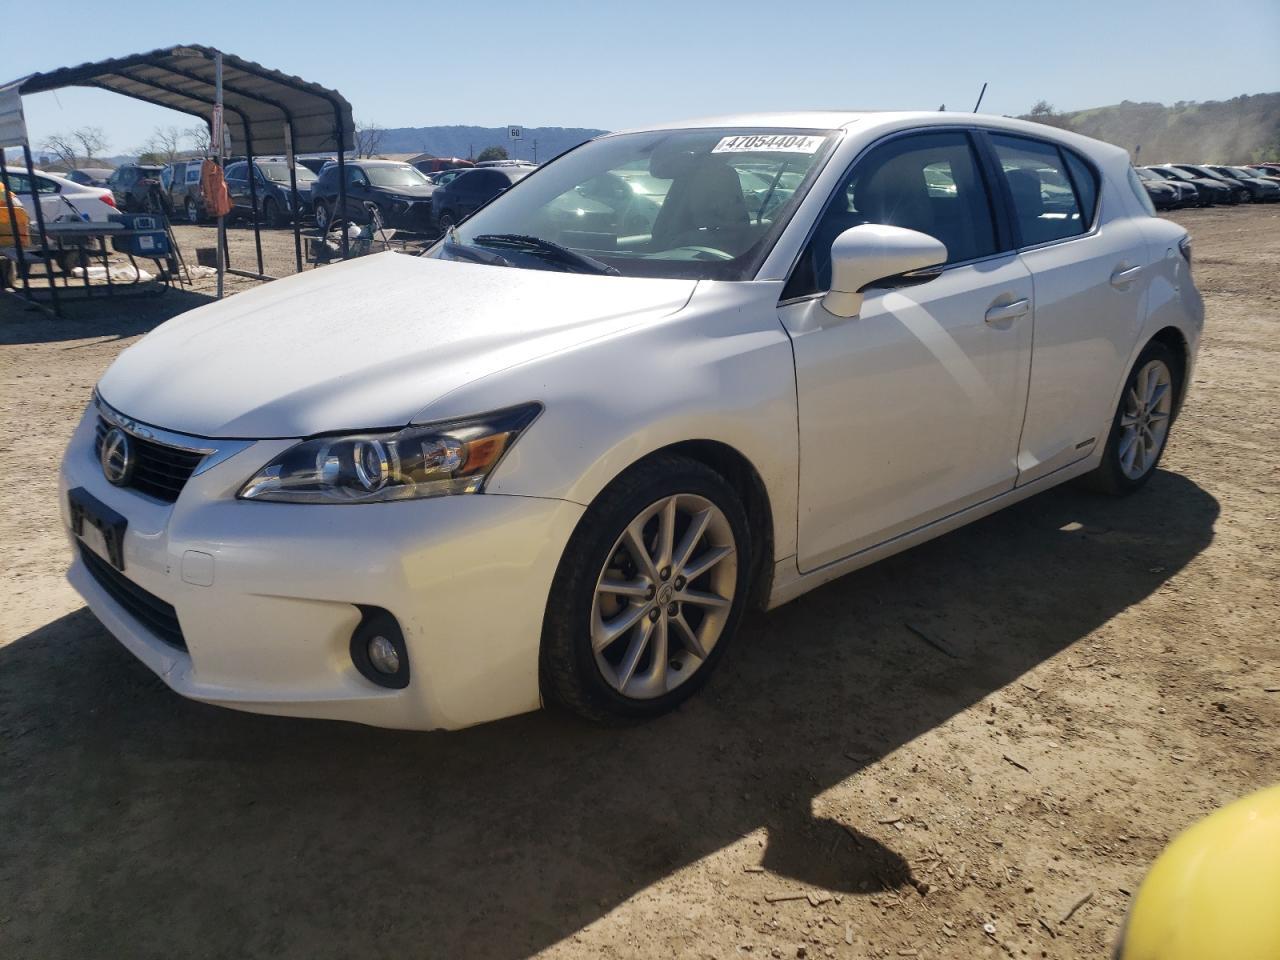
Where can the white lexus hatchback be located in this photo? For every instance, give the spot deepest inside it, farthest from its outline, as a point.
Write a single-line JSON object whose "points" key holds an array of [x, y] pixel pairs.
{"points": [[675, 373]]}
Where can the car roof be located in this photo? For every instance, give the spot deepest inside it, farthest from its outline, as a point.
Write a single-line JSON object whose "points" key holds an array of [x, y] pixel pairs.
{"points": [[382, 163], [885, 121]]}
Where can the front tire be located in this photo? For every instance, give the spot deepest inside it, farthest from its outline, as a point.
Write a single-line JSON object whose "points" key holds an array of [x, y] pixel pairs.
{"points": [[1140, 429], [648, 594], [322, 216], [192, 210]]}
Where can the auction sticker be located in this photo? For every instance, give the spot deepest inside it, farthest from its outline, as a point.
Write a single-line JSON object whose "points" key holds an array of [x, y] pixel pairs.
{"points": [[769, 143]]}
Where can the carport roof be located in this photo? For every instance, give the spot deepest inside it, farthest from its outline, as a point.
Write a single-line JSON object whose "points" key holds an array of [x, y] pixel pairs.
{"points": [[257, 100]]}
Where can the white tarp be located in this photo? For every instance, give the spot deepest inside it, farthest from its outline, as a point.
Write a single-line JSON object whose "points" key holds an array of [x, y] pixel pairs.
{"points": [[13, 125]]}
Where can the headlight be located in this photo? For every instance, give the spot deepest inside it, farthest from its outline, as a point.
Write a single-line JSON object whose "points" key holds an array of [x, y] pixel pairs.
{"points": [[435, 460]]}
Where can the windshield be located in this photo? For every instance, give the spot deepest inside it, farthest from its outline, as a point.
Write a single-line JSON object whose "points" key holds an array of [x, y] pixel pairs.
{"points": [[400, 175], [279, 172], [703, 204], [1242, 172], [1173, 173]]}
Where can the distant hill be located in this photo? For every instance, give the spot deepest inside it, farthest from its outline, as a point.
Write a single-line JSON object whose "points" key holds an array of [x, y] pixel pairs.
{"points": [[459, 141], [1240, 130]]}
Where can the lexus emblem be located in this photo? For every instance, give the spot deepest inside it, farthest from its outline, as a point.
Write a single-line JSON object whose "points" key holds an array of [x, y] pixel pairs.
{"points": [[117, 457]]}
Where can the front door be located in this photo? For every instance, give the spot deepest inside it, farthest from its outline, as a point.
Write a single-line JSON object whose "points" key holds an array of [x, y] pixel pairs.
{"points": [[910, 411]]}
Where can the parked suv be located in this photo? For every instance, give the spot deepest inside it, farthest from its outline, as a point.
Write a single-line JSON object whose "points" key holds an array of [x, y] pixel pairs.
{"points": [[472, 189], [181, 182], [137, 188], [547, 464], [401, 192], [274, 190]]}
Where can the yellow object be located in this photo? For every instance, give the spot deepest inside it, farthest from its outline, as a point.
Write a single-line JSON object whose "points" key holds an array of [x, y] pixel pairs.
{"points": [[20, 214], [1214, 894]]}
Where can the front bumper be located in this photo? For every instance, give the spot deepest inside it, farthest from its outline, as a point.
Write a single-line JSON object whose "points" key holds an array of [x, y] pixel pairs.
{"points": [[467, 577], [412, 215]]}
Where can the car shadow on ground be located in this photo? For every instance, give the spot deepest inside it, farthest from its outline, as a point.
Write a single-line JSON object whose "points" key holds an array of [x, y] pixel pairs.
{"points": [[116, 317], [140, 824]]}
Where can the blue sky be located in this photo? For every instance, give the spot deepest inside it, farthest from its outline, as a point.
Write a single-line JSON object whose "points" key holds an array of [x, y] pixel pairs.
{"points": [[613, 65]]}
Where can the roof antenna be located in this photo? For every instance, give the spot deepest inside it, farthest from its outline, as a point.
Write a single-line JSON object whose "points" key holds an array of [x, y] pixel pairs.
{"points": [[980, 96]]}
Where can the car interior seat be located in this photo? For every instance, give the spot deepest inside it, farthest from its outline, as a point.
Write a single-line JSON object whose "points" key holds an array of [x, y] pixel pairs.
{"points": [[705, 197]]}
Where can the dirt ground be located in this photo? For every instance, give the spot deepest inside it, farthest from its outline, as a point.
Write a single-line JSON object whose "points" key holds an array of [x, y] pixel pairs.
{"points": [[841, 788]]}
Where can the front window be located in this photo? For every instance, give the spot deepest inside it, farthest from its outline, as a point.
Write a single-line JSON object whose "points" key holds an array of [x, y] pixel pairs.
{"points": [[279, 172], [704, 204], [400, 175]]}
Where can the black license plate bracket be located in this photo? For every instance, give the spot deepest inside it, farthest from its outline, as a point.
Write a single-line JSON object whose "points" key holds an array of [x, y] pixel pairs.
{"points": [[87, 511]]}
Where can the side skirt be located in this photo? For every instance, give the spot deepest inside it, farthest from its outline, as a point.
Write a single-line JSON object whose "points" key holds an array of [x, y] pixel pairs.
{"points": [[789, 582]]}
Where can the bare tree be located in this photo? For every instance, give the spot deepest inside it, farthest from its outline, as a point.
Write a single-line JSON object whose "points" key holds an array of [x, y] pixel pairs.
{"points": [[368, 138], [93, 142], [62, 147], [200, 139], [165, 143]]}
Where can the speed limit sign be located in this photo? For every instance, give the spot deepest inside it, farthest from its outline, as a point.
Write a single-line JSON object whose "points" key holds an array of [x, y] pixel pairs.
{"points": [[515, 132]]}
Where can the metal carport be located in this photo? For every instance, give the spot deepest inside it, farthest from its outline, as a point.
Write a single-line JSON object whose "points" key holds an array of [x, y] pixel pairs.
{"points": [[270, 112]]}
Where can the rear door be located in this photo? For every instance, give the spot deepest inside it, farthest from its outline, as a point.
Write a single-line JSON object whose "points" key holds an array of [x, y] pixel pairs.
{"points": [[237, 177], [1089, 264], [911, 410]]}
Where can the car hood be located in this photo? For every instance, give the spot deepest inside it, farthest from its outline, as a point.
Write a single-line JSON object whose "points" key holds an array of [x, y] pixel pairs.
{"points": [[408, 193], [364, 344]]}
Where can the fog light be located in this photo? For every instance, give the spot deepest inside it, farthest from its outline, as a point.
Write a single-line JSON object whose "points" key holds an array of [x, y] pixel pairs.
{"points": [[378, 650], [383, 655]]}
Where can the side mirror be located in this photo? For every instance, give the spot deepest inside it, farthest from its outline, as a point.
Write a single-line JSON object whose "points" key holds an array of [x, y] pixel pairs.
{"points": [[874, 254]]}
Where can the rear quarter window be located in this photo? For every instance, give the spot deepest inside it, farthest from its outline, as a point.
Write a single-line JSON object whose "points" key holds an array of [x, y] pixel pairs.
{"points": [[1139, 191], [1085, 179]]}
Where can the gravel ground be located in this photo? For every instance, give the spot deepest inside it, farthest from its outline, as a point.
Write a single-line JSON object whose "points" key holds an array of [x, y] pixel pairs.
{"points": [[841, 789]]}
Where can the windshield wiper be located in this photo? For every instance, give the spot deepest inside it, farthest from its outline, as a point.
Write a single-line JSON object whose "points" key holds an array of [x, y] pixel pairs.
{"points": [[552, 251], [467, 252]]}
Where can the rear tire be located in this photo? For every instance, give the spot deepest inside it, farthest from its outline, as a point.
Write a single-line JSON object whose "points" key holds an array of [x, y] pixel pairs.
{"points": [[1140, 428], [446, 220], [272, 214], [192, 210], [648, 594]]}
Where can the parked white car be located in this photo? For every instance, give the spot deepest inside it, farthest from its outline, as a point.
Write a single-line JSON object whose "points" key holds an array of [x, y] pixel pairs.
{"points": [[556, 460], [61, 198]]}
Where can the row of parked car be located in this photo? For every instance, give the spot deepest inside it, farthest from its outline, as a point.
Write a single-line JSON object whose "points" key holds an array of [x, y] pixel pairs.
{"points": [[406, 196], [1174, 185]]}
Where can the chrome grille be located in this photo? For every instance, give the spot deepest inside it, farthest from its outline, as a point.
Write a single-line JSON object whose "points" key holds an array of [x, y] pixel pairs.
{"points": [[160, 471]]}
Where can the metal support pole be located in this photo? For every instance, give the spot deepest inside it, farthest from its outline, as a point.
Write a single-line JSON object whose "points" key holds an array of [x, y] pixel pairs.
{"points": [[252, 173], [13, 225], [342, 179], [217, 143], [44, 237], [294, 202]]}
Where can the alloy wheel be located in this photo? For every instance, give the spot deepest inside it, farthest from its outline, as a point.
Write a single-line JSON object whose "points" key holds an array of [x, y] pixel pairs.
{"points": [[664, 596], [193, 212], [1148, 407], [322, 216]]}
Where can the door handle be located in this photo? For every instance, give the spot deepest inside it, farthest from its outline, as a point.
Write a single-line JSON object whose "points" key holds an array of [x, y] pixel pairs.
{"points": [[1124, 275], [1007, 313]]}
